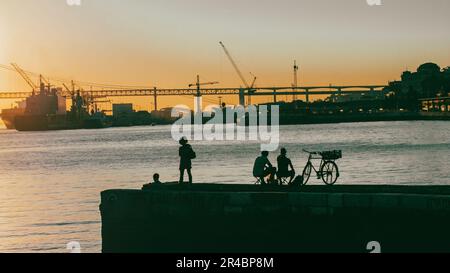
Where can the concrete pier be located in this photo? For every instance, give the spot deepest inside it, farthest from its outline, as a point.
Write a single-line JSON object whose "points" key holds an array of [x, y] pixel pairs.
{"points": [[208, 218]]}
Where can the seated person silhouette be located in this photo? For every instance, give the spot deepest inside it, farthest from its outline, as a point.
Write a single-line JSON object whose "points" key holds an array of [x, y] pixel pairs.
{"points": [[284, 163], [155, 182], [263, 168]]}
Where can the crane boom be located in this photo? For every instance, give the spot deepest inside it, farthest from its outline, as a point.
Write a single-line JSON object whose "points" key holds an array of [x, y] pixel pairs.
{"points": [[235, 65], [199, 84], [254, 80], [24, 76], [203, 83], [198, 103], [70, 92], [67, 88]]}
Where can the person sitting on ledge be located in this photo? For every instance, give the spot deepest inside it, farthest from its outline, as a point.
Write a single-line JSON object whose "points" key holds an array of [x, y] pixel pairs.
{"points": [[155, 182], [284, 163], [263, 168]]}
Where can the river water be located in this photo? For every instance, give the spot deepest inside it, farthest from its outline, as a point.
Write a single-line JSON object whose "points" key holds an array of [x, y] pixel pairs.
{"points": [[50, 182]]}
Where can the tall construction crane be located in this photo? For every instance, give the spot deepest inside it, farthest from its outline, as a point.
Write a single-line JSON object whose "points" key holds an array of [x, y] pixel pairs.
{"points": [[238, 71], [251, 91], [25, 76], [198, 84], [295, 84]]}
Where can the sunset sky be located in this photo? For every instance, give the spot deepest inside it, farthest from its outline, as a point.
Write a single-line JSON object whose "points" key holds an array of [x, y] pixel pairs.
{"points": [[166, 43]]}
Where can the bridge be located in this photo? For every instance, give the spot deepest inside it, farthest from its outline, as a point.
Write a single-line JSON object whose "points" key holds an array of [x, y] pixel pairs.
{"points": [[306, 91]]}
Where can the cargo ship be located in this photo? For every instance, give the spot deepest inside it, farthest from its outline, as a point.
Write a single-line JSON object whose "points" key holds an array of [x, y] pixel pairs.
{"points": [[47, 110]]}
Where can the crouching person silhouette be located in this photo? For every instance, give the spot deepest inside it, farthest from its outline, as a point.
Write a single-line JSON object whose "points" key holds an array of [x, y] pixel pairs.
{"points": [[263, 168], [186, 155]]}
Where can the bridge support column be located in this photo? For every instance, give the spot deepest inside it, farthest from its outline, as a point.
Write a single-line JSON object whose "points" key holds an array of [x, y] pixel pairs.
{"points": [[155, 99], [307, 95], [275, 96]]}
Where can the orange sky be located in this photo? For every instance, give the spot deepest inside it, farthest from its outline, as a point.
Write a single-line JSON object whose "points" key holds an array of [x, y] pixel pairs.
{"points": [[166, 43]]}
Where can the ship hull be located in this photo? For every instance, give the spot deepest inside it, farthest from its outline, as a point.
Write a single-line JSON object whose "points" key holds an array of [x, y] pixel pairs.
{"points": [[40, 123], [55, 122], [9, 116], [96, 123], [9, 123]]}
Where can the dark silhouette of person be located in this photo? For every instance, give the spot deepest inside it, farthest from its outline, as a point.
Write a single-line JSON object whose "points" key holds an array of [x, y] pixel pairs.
{"points": [[156, 178], [155, 182], [263, 168], [284, 163], [186, 155]]}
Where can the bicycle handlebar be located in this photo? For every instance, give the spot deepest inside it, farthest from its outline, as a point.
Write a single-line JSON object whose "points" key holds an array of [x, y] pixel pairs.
{"points": [[313, 153]]}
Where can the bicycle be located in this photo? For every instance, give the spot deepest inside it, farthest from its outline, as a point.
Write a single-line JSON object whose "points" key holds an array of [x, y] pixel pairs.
{"points": [[328, 170]]}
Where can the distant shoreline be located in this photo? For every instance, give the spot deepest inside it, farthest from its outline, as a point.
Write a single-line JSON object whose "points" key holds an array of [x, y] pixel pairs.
{"points": [[335, 119], [330, 119]]}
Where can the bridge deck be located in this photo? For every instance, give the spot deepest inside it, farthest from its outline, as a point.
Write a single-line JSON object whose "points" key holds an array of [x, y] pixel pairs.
{"points": [[260, 91]]}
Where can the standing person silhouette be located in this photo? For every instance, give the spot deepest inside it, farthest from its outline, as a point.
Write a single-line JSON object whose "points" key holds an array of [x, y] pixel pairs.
{"points": [[186, 155]]}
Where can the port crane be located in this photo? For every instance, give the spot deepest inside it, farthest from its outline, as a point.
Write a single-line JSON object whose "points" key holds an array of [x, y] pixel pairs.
{"points": [[25, 76], [274, 91], [254, 80], [88, 100], [238, 71], [71, 92], [42, 80]]}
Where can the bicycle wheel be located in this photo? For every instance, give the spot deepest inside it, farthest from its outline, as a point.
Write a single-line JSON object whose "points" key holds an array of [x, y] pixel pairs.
{"points": [[307, 173], [330, 172]]}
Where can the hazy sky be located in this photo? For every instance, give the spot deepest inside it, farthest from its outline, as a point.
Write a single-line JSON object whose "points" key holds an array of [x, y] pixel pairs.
{"points": [[167, 42]]}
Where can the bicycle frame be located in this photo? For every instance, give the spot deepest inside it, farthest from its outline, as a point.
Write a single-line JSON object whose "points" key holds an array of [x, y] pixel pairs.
{"points": [[316, 156], [328, 171]]}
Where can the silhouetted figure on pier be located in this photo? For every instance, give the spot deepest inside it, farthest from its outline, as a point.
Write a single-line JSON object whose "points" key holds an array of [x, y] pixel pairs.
{"points": [[155, 182], [156, 179], [285, 167], [186, 155], [263, 168]]}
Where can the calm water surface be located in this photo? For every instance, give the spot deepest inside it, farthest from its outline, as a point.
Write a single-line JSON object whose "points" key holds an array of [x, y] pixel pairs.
{"points": [[50, 182]]}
